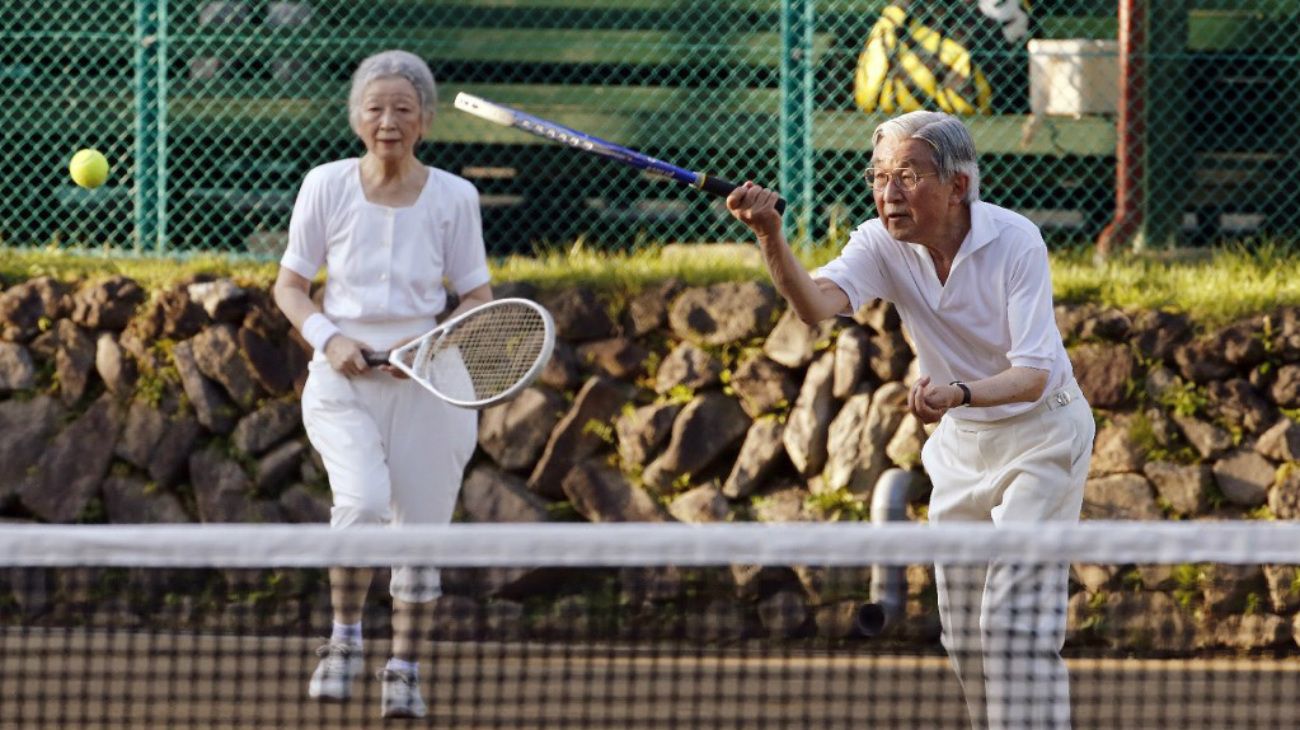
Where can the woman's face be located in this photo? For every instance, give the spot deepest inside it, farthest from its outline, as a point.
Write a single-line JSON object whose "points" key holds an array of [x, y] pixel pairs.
{"points": [[390, 122]]}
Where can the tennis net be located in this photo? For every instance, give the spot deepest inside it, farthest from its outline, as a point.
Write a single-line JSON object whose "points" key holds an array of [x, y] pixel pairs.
{"points": [[1167, 625]]}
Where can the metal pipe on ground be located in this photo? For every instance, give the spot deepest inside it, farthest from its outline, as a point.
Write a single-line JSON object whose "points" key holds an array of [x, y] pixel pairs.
{"points": [[888, 582]]}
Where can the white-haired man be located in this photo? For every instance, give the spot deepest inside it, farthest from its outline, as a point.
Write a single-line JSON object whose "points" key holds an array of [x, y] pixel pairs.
{"points": [[972, 284]]}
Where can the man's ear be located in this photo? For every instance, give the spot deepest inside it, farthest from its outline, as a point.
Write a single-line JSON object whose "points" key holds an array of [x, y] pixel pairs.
{"points": [[960, 186]]}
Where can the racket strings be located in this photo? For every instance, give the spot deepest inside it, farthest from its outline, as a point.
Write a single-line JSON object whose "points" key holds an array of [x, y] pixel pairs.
{"points": [[487, 353]]}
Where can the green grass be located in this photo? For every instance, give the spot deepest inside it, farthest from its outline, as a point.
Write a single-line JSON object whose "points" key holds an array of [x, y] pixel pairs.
{"points": [[632, 272], [1213, 286], [149, 272]]}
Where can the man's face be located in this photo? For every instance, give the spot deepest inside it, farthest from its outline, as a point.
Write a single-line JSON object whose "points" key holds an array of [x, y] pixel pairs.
{"points": [[924, 213]]}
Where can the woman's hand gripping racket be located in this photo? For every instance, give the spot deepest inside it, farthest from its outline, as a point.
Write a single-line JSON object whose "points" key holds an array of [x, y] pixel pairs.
{"points": [[481, 357]]}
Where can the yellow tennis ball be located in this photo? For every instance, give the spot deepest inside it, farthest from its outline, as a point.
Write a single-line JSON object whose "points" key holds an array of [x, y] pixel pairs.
{"points": [[88, 168]]}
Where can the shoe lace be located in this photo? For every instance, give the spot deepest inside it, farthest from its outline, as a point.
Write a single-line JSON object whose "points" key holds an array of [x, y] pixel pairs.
{"points": [[336, 653], [395, 675]]}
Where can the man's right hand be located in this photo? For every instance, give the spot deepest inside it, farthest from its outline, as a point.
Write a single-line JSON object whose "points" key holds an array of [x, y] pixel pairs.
{"points": [[346, 356], [755, 206]]}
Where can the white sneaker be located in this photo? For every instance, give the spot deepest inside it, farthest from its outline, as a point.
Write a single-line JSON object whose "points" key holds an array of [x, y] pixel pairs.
{"points": [[341, 663], [401, 695]]}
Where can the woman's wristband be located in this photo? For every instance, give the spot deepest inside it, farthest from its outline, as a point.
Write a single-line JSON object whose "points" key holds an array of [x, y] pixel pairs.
{"points": [[317, 330]]}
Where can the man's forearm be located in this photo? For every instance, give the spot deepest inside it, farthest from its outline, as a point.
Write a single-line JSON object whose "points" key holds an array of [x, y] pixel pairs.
{"points": [[808, 300], [1013, 385]]}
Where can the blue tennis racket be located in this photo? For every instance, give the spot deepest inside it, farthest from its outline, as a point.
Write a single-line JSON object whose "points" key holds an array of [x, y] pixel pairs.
{"points": [[509, 117]]}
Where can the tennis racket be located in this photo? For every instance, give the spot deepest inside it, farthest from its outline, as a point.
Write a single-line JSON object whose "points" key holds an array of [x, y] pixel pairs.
{"points": [[481, 357], [509, 117]]}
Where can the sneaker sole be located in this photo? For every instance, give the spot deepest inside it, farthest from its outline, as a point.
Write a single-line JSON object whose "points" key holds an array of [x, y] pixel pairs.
{"points": [[325, 697], [402, 715]]}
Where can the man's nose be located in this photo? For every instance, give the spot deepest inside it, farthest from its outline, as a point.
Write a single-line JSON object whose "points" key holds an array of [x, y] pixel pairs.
{"points": [[893, 189]]}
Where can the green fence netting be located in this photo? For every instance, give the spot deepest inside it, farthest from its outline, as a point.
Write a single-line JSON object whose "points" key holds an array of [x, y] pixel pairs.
{"points": [[211, 112]]}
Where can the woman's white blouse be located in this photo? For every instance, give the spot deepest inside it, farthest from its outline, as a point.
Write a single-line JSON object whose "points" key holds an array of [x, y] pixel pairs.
{"points": [[385, 263]]}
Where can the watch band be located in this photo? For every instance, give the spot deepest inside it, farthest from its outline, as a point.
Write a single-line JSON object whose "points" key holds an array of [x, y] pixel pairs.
{"points": [[965, 391]]}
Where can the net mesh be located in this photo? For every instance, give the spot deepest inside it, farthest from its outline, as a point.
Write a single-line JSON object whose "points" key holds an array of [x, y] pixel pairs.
{"points": [[211, 111], [659, 626]]}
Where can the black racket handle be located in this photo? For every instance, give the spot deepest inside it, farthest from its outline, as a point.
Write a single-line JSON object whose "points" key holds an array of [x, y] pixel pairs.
{"points": [[722, 188], [375, 358]]}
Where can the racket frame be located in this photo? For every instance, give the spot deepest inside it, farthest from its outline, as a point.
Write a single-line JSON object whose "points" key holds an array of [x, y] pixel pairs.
{"points": [[510, 117], [422, 345]]}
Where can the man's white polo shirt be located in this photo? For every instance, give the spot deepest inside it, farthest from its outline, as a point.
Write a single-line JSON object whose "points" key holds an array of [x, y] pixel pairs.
{"points": [[994, 312]]}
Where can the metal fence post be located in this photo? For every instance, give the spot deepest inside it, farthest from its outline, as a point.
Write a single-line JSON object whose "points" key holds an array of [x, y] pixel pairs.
{"points": [[1130, 123], [796, 113], [1166, 166], [150, 64]]}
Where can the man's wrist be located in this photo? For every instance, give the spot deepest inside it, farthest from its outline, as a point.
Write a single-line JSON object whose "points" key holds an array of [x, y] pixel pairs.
{"points": [[771, 235], [317, 330], [965, 393]]}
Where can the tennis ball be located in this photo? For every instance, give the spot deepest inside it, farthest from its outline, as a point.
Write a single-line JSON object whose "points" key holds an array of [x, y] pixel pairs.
{"points": [[88, 168]]}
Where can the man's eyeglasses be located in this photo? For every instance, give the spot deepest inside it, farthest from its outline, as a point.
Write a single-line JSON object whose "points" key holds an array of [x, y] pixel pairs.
{"points": [[906, 178]]}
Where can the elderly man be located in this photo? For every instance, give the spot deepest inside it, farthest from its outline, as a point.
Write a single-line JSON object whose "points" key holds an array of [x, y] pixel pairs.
{"points": [[972, 285]]}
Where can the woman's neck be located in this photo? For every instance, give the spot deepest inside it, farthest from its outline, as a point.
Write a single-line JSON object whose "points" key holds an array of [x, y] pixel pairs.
{"points": [[384, 172], [393, 184]]}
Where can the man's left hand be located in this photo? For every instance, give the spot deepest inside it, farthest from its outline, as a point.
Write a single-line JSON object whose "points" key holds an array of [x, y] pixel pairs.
{"points": [[929, 401]]}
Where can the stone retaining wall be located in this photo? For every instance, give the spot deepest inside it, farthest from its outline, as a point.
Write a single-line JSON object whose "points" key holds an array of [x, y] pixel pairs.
{"points": [[692, 404]]}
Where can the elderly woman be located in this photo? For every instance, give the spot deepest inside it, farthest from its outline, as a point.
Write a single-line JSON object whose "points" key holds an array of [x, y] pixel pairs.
{"points": [[388, 230]]}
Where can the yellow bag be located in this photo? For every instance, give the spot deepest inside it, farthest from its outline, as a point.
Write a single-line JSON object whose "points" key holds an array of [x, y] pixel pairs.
{"points": [[907, 65]]}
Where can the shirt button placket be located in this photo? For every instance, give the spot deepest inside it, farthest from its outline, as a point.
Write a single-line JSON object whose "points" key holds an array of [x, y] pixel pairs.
{"points": [[388, 249]]}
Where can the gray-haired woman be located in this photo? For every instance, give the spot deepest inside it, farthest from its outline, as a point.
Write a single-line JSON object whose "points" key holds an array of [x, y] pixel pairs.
{"points": [[388, 230]]}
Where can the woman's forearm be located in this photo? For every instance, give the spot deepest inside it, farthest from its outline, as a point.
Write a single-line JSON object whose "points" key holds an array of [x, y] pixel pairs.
{"points": [[475, 297]]}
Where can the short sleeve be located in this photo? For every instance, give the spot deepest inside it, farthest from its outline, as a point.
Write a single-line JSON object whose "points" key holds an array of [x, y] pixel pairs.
{"points": [[858, 271], [465, 264], [305, 254], [1032, 321]]}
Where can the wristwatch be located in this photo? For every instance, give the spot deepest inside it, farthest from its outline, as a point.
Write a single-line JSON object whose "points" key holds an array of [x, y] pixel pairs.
{"points": [[965, 391]]}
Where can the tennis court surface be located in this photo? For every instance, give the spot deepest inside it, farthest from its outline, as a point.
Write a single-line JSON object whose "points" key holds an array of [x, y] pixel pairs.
{"points": [[645, 626]]}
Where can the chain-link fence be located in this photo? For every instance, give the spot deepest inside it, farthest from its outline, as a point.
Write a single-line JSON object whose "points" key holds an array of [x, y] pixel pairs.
{"points": [[210, 112]]}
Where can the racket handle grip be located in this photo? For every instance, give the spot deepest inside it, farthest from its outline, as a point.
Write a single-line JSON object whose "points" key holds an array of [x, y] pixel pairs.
{"points": [[722, 188], [375, 358]]}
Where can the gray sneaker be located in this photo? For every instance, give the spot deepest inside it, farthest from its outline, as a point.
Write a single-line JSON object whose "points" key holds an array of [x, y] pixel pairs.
{"points": [[401, 695], [340, 664]]}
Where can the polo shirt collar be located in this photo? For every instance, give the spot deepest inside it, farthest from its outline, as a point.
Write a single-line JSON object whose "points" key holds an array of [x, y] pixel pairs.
{"points": [[982, 230]]}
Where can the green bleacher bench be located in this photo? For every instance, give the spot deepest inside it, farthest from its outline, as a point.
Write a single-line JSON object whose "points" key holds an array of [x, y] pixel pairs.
{"points": [[686, 94]]}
